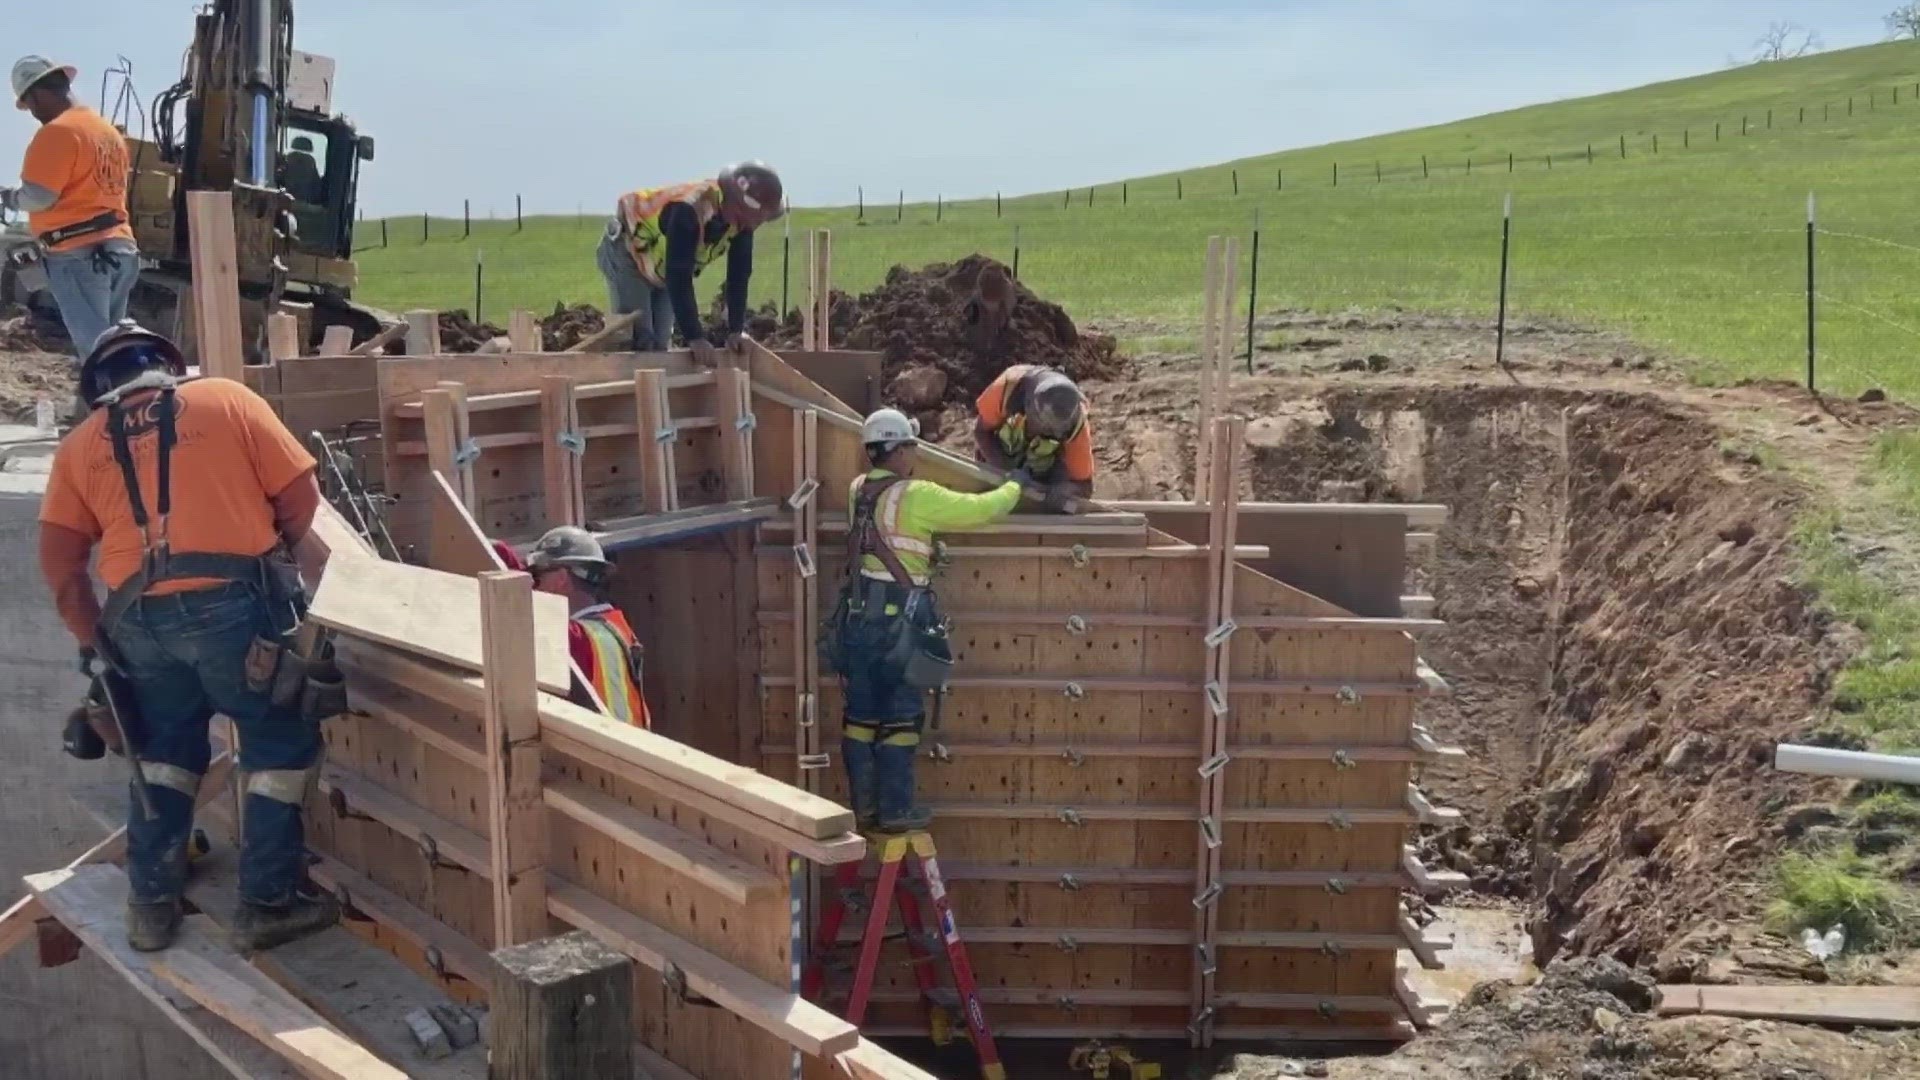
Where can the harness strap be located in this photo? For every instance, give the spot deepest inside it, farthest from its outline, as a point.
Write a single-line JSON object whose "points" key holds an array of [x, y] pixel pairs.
{"points": [[870, 539], [98, 223], [250, 570]]}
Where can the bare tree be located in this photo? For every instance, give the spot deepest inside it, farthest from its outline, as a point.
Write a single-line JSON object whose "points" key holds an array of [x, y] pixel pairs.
{"points": [[1785, 40], [1904, 21]]}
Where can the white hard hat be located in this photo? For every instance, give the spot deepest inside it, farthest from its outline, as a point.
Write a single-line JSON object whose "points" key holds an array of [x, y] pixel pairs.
{"points": [[31, 69], [889, 428], [569, 546]]}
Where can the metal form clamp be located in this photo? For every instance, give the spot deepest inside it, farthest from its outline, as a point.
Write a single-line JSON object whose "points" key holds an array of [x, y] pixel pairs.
{"points": [[1069, 883], [1218, 635], [1204, 954], [676, 982], [816, 761], [1073, 757], [1076, 625], [1211, 767], [1333, 948], [1337, 886], [1080, 555], [1210, 896], [466, 453], [1074, 691], [1209, 832], [747, 422], [803, 560], [803, 494], [1066, 943], [666, 433], [808, 711], [940, 753], [1200, 1020], [1347, 695], [573, 442], [1343, 760], [1339, 821], [1071, 816], [1216, 698]]}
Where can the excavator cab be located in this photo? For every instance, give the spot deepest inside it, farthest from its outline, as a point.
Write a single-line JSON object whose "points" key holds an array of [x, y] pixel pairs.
{"points": [[319, 170]]}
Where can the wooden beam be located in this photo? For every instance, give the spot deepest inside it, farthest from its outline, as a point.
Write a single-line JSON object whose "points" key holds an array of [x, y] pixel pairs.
{"points": [[524, 331], [1400, 1031], [223, 984], [423, 333], [336, 340], [217, 337], [458, 954], [456, 544], [527, 399], [663, 527], [91, 901], [1308, 686], [1870, 1006], [434, 614], [1105, 619], [562, 1008], [463, 446], [734, 404], [561, 446], [805, 1026], [515, 805], [1203, 449], [388, 335], [730, 876], [823, 315], [442, 438], [283, 336], [961, 748], [659, 489], [614, 326], [1063, 553]]}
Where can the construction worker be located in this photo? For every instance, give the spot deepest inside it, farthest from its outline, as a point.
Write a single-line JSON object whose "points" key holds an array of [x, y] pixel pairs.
{"points": [[569, 562], [199, 500], [1032, 424], [300, 172], [73, 187], [661, 238], [889, 635]]}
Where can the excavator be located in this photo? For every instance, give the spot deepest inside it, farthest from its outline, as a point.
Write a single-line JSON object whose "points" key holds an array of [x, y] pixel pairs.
{"points": [[250, 115]]}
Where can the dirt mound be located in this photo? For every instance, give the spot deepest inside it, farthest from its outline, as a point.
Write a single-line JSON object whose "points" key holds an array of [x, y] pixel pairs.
{"points": [[20, 331], [565, 328], [929, 318], [459, 333]]}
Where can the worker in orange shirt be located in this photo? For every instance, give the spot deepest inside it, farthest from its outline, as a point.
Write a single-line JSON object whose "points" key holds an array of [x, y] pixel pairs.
{"points": [[73, 187], [199, 500], [1032, 425], [569, 562]]}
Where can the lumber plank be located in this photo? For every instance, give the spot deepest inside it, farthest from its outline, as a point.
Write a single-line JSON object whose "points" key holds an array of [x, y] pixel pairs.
{"points": [[460, 954], [515, 807], [782, 1013], [283, 336], [593, 341], [218, 339], [456, 544], [560, 466], [443, 440], [659, 490], [434, 614], [220, 982], [91, 901], [462, 441], [727, 874], [336, 340], [423, 332], [387, 336], [1871, 1006], [523, 330], [734, 406], [526, 399]]}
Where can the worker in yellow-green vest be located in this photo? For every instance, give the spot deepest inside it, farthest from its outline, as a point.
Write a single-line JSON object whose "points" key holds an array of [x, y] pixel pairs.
{"points": [[661, 238], [889, 639]]}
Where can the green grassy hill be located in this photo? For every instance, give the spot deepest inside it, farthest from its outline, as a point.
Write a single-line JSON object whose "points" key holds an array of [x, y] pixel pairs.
{"points": [[1698, 247]]}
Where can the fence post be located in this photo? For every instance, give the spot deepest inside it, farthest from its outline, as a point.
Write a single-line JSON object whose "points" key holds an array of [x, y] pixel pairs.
{"points": [[996, 204], [1279, 179], [1549, 162], [860, 203], [1849, 104], [1623, 147], [900, 208], [562, 1007], [1179, 189], [1236, 181], [1810, 293], [939, 207], [1509, 161], [466, 219], [1123, 193], [1090, 189], [1769, 119], [383, 232], [786, 262], [425, 228], [1686, 138], [1803, 114], [1716, 131], [1424, 174], [1253, 287], [1656, 143], [1589, 153], [519, 215], [1376, 170], [1743, 125], [1469, 166], [479, 281], [1506, 248], [1336, 174], [1016, 253], [1066, 198]]}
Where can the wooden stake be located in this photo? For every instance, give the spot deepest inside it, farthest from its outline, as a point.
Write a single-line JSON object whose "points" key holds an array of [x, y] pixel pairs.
{"points": [[336, 341], [387, 336], [216, 285], [812, 309], [516, 807], [462, 441], [658, 485], [593, 341], [1223, 324], [283, 336], [561, 445], [562, 1008], [822, 318], [443, 442], [806, 595], [523, 330], [423, 333], [1227, 436], [1208, 302], [733, 394]]}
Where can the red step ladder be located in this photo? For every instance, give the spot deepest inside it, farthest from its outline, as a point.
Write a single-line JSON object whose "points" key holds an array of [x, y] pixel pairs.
{"points": [[894, 887]]}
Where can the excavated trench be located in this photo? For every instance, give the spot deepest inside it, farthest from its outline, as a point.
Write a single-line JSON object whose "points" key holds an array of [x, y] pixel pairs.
{"points": [[1624, 636]]}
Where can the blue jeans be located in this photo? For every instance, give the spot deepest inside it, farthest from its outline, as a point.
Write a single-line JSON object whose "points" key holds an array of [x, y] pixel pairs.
{"points": [[627, 291], [881, 706], [186, 654], [91, 285]]}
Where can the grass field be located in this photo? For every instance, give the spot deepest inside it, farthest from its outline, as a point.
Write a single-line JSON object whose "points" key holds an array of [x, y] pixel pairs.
{"points": [[1699, 248]]}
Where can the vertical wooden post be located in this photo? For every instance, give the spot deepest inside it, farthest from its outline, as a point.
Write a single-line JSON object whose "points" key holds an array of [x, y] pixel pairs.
{"points": [[216, 285], [806, 595], [423, 333], [562, 1008], [463, 450], [822, 318], [812, 305], [658, 486], [733, 395], [1225, 437], [1223, 324], [283, 336], [523, 330], [561, 445], [1207, 304], [336, 341], [443, 441], [516, 808]]}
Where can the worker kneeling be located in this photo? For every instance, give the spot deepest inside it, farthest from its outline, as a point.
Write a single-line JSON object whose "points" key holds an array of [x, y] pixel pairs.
{"points": [[887, 638], [198, 497], [1032, 423], [569, 562]]}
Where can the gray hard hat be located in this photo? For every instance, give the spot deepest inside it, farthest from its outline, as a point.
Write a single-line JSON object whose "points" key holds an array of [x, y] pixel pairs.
{"points": [[756, 184], [1056, 409], [567, 546]]}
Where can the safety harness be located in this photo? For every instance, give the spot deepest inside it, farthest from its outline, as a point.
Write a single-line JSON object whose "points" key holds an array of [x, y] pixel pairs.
{"points": [[919, 650]]}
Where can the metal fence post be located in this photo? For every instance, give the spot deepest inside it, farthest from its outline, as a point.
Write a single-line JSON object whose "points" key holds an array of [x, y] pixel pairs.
{"points": [[1253, 287], [1506, 249], [1810, 294]]}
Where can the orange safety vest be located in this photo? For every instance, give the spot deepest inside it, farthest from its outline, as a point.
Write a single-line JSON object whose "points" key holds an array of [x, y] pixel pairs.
{"points": [[616, 663], [640, 216]]}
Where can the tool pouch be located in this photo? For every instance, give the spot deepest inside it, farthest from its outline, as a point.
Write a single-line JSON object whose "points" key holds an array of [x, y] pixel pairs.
{"points": [[325, 693], [921, 652], [833, 638], [80, 738], [288, 687], [100, 710]]}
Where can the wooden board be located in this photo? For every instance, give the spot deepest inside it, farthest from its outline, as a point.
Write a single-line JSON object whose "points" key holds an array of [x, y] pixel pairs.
{"points": [[218, 340], [1871, 1006], [434, 614]]}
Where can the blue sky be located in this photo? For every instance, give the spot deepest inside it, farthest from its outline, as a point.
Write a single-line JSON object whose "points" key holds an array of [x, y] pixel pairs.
{"points": [[570, 102]]}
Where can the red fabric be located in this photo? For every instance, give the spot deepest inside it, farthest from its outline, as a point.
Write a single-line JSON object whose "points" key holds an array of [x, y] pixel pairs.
{"points": [[508, 557]]}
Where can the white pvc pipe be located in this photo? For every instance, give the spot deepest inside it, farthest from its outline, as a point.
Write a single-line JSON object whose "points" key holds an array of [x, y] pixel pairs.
{"points": [[1821, 761]]}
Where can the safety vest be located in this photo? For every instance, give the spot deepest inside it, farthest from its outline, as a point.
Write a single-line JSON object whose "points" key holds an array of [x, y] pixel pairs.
{"points": [[640, 215], [1035, 453], [616, 663], [914, 549]]}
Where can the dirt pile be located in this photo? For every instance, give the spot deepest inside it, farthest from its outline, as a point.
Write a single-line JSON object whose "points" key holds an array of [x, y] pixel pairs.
{"points": [[459, 333], [565, 328], [20, 331], [926, 320], [26, 377]]}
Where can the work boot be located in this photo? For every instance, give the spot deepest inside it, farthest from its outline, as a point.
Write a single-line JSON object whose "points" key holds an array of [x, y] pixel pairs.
{"points": [[151, 923], [915, 819], [262, 926]]}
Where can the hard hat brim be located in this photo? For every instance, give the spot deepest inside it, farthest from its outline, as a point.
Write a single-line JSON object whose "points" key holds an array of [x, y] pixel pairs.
{"points": [[20, 99]]}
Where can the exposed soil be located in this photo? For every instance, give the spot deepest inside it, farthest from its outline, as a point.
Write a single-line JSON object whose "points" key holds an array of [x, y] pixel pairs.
{"points": [[26, 377], [559, 331]]}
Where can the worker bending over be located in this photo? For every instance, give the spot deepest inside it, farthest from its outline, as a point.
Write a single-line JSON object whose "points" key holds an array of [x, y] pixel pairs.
{"points": [[1032, 424], [196, 495], [73, 187], [889, 638], [661, 238], [569, 562]]}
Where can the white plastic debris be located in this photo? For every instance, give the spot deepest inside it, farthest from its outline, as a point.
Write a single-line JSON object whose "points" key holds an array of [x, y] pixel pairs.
{"points": [[1825, 946]]}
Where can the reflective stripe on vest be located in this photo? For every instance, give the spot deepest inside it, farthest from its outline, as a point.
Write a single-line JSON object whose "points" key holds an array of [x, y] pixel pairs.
{"points": [[640, 213], [613, 669], [915, 553]]}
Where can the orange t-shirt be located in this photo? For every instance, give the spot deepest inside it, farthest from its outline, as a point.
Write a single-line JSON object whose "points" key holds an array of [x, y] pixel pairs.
{"points": [[82, 159], [231, 458], [1076, 454]]}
